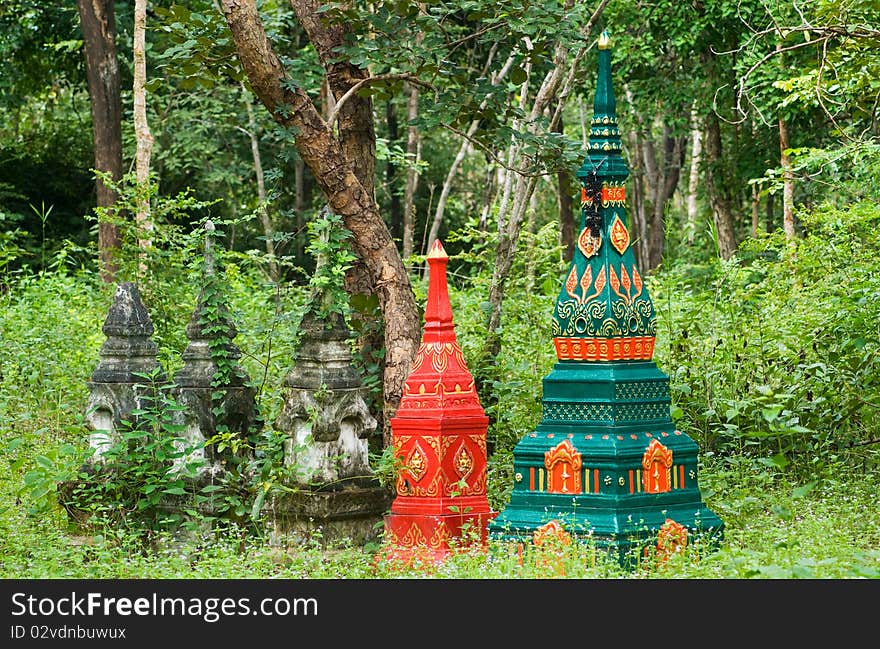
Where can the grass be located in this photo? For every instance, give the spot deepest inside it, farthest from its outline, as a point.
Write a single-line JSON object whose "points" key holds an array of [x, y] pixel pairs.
{"points": [[772, 532]]}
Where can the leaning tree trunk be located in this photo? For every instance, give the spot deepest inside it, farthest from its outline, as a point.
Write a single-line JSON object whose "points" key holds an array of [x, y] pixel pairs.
{"points": [[555, 88], [102, 69], [357, 137], [565, 203], [346, 195], [668, 170]]}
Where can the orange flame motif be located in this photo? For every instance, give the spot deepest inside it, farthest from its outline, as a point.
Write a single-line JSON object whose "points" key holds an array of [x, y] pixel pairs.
{"points": [[619, 235], [586, 280], [571, 283], [589, 244], [637, 282], [624, 279]]}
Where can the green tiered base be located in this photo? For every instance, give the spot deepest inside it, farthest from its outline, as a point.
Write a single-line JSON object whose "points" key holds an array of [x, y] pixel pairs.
{"points": [[625, 471]]}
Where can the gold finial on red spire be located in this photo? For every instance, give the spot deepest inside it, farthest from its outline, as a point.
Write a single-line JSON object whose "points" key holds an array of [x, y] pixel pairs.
{"points": [[438, 311]]}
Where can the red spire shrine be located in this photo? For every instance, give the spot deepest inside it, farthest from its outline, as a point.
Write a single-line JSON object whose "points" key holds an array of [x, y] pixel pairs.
{"points": [[439, 435]]}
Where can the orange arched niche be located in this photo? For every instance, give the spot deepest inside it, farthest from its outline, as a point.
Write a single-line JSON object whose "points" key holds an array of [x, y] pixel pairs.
{"points": [[657, 462], [563, 464]]}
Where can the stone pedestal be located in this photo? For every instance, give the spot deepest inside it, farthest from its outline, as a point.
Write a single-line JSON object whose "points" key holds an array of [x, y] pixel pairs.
{"points": [[327, 422], [439, 434], [118, 385], [606, 462], [202, 415]]}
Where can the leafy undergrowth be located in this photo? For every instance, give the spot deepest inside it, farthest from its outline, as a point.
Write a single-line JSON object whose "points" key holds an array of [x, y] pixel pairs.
{"points": [[774, 530]]}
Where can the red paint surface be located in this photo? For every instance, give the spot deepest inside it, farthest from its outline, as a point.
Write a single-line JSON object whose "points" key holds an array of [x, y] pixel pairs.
{"points": [[440, 432]]}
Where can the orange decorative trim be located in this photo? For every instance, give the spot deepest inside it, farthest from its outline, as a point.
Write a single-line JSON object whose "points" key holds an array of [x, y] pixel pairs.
{"points": [[563, 462], [605, 349], [656, 462], [613, 195], [552, 530], [589, 244], [672, 538], [619, 235]]}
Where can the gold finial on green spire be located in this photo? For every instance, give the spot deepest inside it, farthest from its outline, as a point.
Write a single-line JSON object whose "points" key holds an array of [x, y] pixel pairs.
{"points": [[604, 41]]}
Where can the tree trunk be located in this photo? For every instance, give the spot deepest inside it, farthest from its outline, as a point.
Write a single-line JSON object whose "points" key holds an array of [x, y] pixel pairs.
{"points": [[357, 138], [637, 208], [694, 179], [143, 136], [346, 195], [787, 181], [102, 69], [299, 206], [414, 154], [668, 174], [565, 202], [463, 151], [721, 211], [263, 209], [394, 208], [756, 214]]}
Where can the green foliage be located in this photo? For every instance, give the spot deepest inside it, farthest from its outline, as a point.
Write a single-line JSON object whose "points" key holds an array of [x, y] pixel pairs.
{"points": [[144, 463], [776, 355], [329, 245]]}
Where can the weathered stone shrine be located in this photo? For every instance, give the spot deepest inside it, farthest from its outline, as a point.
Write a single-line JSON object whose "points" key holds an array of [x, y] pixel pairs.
{"points": [[439, 434], [213, 399], [335, 495], [118, 385], [606, 461]]}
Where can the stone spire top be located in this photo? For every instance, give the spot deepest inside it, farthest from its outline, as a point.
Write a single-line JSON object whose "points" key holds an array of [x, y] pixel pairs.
{"points": [[129, 349]]}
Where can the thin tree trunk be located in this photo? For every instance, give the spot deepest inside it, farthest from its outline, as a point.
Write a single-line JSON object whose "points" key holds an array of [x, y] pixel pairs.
{"points": [[463, 151], [787, 181], [263, 209], [565, 203], [555, 88], [669, 172], [394, 208], [414, 154], [531, 228], [102, 69], [756, 213], [346, 195], [721, 211], [299, 205], [143, 136], [637, 209], [694, 178]]}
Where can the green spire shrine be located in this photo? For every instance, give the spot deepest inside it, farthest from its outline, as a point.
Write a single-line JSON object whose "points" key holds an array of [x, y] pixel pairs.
{"points": [[606, 461]]}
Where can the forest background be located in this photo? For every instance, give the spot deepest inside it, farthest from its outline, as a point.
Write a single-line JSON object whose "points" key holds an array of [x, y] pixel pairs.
{"points": [[751, 134]]}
